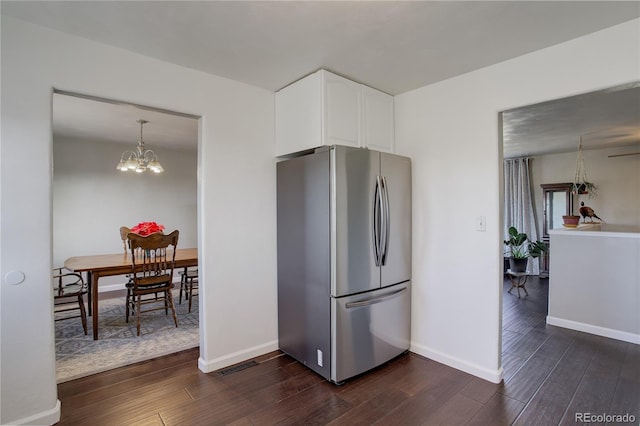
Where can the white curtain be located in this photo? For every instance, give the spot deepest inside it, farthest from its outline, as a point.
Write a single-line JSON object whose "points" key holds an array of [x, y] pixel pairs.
{"points": [[518, 204]]}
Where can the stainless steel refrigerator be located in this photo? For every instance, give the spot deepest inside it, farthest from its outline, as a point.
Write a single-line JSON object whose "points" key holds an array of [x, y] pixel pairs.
{"points": [[344, 259]]}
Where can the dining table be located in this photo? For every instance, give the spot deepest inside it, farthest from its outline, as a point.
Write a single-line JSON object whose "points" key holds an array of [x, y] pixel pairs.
{"points": [[104, 265]]}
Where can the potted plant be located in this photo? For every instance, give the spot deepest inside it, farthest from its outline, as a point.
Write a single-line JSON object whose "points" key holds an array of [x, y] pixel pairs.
{"points": [[521, 249], [570, 221], [582, 185], [585, 188]]}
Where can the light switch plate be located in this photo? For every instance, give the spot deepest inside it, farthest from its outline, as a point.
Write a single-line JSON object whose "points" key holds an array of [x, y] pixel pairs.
{"points": [[481, 223]]}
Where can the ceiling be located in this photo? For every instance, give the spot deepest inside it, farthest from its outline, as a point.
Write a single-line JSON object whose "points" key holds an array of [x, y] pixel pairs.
{"points": [[602, 119], [392, 46], [95, 120]]}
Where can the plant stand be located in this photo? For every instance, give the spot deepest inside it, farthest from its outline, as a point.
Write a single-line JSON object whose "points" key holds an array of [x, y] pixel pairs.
{"points": [[518, 280]]}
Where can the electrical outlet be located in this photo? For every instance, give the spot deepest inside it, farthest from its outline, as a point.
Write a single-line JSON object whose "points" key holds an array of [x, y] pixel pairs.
{"points": [[319, 358], [481, 223]]}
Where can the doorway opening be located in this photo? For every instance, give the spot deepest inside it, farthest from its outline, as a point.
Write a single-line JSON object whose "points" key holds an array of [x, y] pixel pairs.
{"points": [[548, 134], [92, 200]]}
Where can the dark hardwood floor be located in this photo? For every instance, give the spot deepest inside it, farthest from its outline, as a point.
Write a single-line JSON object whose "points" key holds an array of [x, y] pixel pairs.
{"points": [[550, 375]]}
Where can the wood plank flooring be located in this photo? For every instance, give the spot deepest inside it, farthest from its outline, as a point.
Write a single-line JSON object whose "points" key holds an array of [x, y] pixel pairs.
{"points": [[550, 374]]}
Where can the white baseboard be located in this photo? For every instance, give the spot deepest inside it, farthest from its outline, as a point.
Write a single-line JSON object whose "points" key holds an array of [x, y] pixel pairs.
{"points": [[494, 376], [595, 329], [207, 366], [47, 417]]}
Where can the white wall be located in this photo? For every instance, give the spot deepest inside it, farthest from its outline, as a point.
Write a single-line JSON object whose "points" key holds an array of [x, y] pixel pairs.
{"points": [[451, 131], [236, 201], [602, 295], [92, 200], [617, 179]]}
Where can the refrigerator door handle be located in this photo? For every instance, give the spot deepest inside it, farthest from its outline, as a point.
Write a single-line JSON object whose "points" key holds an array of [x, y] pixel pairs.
{"points": [[384, 245], [377, 220], [374, 300]]}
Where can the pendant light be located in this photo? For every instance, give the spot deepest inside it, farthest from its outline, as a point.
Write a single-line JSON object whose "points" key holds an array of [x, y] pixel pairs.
{"points": [[141, 159]]}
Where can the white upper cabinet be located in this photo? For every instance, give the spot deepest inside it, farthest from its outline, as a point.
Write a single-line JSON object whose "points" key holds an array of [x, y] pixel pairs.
{"points": [[299, 115], [377, 120], [326, 109], [341, 111]]}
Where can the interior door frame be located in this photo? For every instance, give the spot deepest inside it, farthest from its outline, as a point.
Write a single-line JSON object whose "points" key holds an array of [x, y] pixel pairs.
{"points": [[547, 189]]}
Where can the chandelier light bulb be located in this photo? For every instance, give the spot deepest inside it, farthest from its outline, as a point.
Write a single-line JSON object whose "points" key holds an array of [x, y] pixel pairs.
{"points": [[155, 166]]}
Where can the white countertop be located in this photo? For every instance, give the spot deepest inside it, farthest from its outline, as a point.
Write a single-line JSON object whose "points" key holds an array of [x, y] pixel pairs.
{"points": [[599, 230]]}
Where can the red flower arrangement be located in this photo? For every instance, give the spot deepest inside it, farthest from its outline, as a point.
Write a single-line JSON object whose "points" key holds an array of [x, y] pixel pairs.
{"points": [[147, 228]]}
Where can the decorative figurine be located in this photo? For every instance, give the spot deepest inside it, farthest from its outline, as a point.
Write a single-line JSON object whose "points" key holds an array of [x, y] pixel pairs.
{"points": [[588, 212]]}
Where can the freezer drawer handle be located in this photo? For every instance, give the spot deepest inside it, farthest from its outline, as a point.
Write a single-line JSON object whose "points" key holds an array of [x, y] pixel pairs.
{"points": [[375, 300]]}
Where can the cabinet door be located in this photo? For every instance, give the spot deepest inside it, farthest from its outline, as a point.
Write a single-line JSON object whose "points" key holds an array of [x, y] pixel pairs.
{"points": [[378, 118], [298, 116], [341, 111]]}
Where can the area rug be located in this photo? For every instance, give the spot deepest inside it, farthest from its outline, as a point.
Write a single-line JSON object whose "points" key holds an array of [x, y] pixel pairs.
{"points": [[78, 355]]}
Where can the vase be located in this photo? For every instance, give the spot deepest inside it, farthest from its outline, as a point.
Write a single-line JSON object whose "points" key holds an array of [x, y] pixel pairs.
{"points": [[582, 189], [570, 221], [518, 265]]}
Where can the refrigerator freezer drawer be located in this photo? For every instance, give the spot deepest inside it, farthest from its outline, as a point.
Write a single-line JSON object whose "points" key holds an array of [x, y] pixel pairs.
{"points": [[369, 329]]}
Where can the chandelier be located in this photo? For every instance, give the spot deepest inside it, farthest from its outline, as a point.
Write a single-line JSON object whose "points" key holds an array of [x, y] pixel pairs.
{"points": [[141, 159]]}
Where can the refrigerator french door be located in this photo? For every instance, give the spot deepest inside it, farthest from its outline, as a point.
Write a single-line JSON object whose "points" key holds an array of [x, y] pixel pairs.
{"points": [[344, 259]]}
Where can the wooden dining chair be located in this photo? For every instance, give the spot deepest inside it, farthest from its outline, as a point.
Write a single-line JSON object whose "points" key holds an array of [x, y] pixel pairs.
{"points": [[152, 265], [188, 283], [124, 231], [68, 295]]}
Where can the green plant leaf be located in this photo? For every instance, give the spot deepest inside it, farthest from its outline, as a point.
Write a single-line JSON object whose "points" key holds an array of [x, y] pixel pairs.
{"points": [[536, 249]]}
